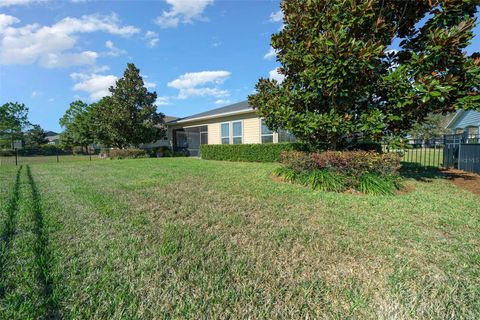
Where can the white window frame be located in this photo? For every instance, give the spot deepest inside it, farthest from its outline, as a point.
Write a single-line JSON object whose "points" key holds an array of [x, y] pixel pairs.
{"points": [[229, 133], [241, 136], [274, 134]]}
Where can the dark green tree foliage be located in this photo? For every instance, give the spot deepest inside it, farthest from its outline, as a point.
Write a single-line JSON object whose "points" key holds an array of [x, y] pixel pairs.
{"points": [[78, 125], [342, 82], [35, 136], [13, 120], [129, 116]]}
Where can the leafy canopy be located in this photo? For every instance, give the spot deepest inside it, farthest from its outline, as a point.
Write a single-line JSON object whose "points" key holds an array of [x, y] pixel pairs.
{"points": [[13, 120], [35, 136], [342, 82], [127, 117], [78, 125]]}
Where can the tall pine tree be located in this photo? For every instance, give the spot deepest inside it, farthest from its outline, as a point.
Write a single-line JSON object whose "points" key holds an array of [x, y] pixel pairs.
{"points": [[129, 116]]}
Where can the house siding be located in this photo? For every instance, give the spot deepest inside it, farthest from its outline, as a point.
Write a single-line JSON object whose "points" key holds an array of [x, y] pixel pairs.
{"points": [[250, 127], [469, 118]]}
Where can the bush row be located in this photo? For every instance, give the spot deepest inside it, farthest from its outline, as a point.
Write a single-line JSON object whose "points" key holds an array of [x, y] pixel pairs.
{"points": [[354, 163], [127, 153], [363, 171], [247, 152]]}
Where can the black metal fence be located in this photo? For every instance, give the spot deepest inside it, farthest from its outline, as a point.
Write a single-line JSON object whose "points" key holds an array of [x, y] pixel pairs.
{"points": [[45, 155], [458, 151]]}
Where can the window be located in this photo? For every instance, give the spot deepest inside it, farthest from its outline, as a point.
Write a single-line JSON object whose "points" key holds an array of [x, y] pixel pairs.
{"points": [[267, 134], [225, 133], [285, 136], [472, 130], [237, 132]]}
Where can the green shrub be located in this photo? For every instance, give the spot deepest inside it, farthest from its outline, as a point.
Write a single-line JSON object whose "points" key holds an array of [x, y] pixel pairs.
{"points": [[159, 152], [247, 152], [297, 160], [323, 180], [353, 163], [127, 153], [42, 150], [288, 174], [373, 183], [367, 172]]}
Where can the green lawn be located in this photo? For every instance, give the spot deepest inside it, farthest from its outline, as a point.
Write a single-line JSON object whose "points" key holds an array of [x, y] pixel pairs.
{"points": [[432, 157], [189, 238], [44, 159]]}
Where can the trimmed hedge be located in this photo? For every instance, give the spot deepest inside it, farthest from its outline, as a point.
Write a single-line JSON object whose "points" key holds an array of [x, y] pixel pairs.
{"points": [[269, 152]]}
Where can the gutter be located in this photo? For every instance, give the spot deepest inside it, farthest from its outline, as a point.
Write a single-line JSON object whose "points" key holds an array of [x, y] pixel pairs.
{"points": [[213, 116]]}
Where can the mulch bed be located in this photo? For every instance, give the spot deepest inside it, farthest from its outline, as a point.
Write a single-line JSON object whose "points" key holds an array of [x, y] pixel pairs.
{"points": [[464, 180]]}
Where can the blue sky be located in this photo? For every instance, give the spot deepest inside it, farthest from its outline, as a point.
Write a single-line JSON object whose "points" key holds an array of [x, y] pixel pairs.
{"points": [[196, 54]]}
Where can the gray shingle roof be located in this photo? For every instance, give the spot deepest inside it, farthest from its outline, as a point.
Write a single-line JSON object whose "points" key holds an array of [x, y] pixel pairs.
{"points": [[239, 106]]}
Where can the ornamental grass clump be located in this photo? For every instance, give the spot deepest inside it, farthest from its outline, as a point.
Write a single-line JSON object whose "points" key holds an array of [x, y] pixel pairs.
{"points": [[364, 171]]}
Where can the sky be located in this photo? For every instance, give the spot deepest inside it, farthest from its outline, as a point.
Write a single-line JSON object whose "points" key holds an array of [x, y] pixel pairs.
{"points": [[196, 54]]}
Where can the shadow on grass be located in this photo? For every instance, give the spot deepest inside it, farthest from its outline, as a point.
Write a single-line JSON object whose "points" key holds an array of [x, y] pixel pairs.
{"points": [[43, 255], [8, 231], [428, 173]]}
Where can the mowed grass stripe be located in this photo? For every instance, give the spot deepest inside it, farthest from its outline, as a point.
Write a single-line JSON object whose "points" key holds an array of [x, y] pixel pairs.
{"points": [[26, 276], [8, 229], [43, 256]]}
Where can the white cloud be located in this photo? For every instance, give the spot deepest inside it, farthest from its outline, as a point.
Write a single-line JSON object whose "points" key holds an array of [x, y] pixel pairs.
{"points": [[162, 101], [112, 50], [152, 38], [194, 84], [94, 84], [100, 69], [274, 75], [6, 20], [272, 53], [276, 16], [50, 46], [182, 11], [51, 99], [149, 85], [35, 94], [222, 102], [61, 60], [8, 3]]}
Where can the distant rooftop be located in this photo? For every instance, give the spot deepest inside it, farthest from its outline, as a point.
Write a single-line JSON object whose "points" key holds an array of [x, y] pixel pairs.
{"points": [[51, 133], [170, 118], [233, 108]]}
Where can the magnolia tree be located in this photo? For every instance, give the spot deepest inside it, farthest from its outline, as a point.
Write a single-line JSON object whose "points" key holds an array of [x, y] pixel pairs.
{"points": [[368, 69]]}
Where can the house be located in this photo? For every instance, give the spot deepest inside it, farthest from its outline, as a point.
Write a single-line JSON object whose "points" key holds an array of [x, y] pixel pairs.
{"points": [[465, 122], [233, 124], [52, 137]]}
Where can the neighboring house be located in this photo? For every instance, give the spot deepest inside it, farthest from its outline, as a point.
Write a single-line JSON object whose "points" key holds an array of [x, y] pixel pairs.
{"points": [[52, 137], [465, 122], [234, 124]]}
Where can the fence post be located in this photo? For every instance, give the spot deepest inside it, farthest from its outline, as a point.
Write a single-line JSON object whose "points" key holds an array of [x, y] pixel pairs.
{"points": [[459, 154], [16, 156], [57, 156]]}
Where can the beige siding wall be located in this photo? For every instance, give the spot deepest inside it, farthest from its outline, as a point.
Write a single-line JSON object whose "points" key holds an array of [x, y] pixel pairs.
{"points": [[214, 133], [250, 127], [251, 130]]}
